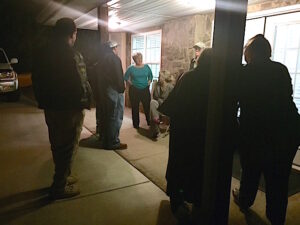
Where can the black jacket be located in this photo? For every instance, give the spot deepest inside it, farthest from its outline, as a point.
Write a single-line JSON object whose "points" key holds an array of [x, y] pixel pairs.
{"points": [[111, 72], [59, 78], [268, 113]]}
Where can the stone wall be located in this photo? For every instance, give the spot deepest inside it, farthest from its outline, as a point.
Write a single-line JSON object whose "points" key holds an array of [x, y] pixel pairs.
{"points": [[178, 38], [270, 4]]}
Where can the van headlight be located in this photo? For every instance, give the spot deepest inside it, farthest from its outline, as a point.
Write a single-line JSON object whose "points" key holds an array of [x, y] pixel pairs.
{"points": [[7, 76]]}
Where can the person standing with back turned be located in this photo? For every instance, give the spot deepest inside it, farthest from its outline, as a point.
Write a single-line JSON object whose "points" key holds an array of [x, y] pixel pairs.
{"points": [[111, 86], [269, 130], [62, 90]]}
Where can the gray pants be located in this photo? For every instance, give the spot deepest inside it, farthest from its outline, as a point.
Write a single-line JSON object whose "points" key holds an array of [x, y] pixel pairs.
{"points": [[154, 114], [64, 128]]}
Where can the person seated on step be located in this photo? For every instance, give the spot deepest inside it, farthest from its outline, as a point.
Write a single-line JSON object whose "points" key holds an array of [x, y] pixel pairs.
{"points": [[161, 91]]}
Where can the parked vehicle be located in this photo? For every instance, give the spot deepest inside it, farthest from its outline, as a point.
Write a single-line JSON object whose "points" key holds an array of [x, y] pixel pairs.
{"points": [[9, 85]]}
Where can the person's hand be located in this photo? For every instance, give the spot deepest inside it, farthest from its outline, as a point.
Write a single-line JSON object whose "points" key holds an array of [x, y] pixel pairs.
{"points": [[149, 82]]}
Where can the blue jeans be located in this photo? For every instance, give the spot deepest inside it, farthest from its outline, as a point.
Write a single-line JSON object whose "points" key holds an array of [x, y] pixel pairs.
{"points": [[114, 109]]}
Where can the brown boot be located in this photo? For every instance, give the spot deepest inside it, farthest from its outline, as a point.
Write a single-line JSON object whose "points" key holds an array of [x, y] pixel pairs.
{"points": [[122, 146]]}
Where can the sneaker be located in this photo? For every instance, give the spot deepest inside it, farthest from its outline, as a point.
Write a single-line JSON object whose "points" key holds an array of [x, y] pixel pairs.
{"points": [[72, 180], [236, 194], [68, 191]]}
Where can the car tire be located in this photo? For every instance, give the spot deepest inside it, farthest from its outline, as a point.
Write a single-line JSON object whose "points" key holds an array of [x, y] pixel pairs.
{"points": [[13, 96]]}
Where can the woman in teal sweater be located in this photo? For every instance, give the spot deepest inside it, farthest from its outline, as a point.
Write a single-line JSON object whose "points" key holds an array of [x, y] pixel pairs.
{"points": [[139, 77]]}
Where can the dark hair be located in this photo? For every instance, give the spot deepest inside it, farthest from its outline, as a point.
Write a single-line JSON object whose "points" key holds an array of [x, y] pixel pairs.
{"points": [[259, 47], [64, 27]]}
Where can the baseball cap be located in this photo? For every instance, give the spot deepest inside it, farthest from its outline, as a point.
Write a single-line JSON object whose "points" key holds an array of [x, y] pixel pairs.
{"points": [[199, 45], [112, 44]]}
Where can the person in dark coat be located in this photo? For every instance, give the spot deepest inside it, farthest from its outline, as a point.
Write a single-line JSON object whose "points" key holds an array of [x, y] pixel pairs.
{"points": [[61, 89], [187, 108], [109, 95], [269, 129]]}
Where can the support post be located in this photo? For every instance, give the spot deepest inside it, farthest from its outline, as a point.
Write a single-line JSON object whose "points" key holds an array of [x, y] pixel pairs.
{"points": [[103, 23], [229, 28]]}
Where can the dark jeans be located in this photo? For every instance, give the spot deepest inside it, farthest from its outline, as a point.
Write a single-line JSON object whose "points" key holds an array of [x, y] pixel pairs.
{"points": [[64, 128], [100, 120], [136, 96], [276, 168], [113, 110]]}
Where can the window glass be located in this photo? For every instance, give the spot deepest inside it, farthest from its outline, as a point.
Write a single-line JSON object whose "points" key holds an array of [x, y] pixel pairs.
{"points": [[297, 86], [293, 35], [278, 55], [298, 65], [290, 60], [253, 27]]}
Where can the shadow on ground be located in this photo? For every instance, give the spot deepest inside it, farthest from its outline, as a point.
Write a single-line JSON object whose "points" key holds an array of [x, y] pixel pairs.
{"points": [[252, 218], [91, 142], [14, 206]]}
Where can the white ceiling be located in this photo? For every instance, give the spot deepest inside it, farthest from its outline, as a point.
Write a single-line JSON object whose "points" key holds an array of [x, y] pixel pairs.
{"points": [[133, 15], [126, 15]]}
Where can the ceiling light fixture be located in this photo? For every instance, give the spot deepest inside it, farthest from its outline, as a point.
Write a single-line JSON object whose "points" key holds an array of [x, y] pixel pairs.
{"points": [[115, 23]]}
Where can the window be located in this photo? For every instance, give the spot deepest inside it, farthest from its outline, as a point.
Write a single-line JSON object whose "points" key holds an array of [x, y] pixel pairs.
{"points": [[149, 44], [283, 32], [253, 27]]}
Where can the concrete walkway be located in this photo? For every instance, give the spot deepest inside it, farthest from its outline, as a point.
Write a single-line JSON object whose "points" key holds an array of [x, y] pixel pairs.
{"points": [[113, 191]]}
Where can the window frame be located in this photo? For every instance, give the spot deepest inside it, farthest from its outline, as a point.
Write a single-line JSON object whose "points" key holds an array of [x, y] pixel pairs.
{"points": [[270, 36]]}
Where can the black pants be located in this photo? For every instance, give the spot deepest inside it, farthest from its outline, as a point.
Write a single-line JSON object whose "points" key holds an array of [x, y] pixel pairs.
{"points": [[276, 168], [136, 96], [64, 127]]}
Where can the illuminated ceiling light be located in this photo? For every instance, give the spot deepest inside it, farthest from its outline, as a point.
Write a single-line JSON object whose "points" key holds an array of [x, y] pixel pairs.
{"points": [[114, 23]]}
